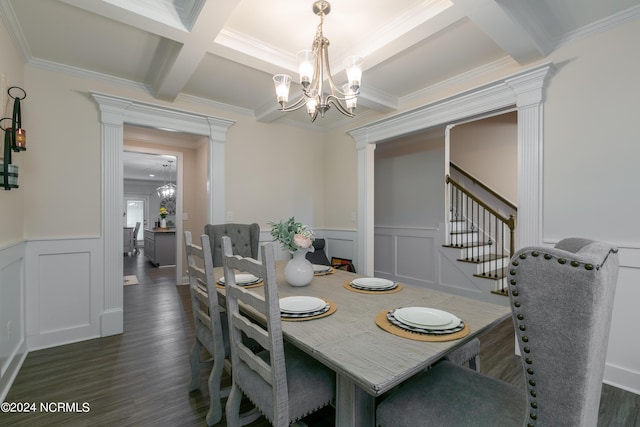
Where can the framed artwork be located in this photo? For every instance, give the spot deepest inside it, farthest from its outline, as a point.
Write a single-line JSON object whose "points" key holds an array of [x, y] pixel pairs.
{"points": [[343, 264], [169, 203]]}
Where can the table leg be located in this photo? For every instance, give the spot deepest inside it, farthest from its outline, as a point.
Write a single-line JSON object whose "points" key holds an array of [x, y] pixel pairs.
{"points": [[354, 406]]}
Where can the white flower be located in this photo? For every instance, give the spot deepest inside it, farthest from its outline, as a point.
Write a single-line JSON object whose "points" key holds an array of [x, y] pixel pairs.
{"points": [[302, 241]]}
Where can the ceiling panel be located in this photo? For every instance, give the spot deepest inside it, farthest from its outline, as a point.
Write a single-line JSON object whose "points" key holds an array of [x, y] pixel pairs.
{"points": [[235, 46]]}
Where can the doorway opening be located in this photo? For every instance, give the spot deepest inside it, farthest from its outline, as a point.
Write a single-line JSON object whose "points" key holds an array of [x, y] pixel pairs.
{"points": [[144, 171], [114, 113]]}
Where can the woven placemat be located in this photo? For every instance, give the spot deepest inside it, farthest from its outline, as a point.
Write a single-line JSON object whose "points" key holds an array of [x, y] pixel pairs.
{"points": [[347, 285], [332, 309], [253, 285], [385, 324]]}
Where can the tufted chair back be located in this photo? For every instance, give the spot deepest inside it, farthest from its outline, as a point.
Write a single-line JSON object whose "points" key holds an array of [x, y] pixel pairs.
{"points": [[318, 256], [245, 239], [562, 300]]}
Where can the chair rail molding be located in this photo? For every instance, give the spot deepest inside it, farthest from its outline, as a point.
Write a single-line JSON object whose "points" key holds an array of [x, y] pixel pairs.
{"points": [[114, 113], [524, 90]]}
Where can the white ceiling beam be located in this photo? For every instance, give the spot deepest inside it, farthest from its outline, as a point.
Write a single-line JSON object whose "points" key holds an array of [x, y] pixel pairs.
{"points": [[377, 100], [269, 112], [503, 29], [175, 74], [166, 27]]}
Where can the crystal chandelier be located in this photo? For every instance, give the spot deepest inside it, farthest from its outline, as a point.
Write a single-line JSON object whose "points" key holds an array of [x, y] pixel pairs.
{"points": [[167, 190], [314, 71]]}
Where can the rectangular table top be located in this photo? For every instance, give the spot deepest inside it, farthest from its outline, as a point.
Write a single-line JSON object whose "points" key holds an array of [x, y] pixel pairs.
{"points": [[350, 342]]}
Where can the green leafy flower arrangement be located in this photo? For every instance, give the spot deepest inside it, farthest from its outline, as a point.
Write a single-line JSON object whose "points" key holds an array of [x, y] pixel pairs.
{"points": [[292, 235]]}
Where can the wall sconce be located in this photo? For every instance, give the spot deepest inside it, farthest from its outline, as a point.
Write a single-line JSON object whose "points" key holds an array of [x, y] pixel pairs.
{"points": [[18, 135], [15, 139]]}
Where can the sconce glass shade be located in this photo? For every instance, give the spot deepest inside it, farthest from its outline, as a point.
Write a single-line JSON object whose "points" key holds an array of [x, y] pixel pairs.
{"points": [[20, 142], [282, 83]]}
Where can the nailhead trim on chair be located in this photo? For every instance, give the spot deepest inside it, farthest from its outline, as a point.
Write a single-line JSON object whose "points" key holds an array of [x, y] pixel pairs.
{"points": [[521, 327]]}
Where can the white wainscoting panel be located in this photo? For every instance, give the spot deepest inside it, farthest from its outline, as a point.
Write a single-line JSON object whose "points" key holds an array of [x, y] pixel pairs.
{"points": [[406, 254], [13, 348], [384, 254], [622, 369], [64, 291], [341, 244], [415, 256]]}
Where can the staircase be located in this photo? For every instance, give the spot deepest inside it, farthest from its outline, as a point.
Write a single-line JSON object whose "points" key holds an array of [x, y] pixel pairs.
{"points": [[482, 235], [479, 251]]}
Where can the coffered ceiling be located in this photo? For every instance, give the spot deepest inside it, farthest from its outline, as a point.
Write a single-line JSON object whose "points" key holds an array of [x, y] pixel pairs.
{"points": [[225, 52]]}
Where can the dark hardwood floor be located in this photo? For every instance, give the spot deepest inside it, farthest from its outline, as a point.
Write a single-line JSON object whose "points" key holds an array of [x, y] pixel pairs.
{"points": [[140, 378]]}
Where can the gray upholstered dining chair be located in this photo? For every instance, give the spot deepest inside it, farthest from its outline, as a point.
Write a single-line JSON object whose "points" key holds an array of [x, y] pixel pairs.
{"points": [[561, 300], [211, 331], [283, 382], [245, 239], [136, 249], [318, 256], [469, 354]]}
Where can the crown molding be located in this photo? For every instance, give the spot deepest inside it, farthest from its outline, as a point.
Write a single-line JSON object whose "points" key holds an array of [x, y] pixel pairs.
{"points": [[599, 26], [10, 21], [496, 66], [87, 74]]}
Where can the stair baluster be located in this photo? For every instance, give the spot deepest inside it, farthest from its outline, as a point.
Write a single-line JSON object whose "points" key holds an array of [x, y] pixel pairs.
{"points": [[476, 226]]}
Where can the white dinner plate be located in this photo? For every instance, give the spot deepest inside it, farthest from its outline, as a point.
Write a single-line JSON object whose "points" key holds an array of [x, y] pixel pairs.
{"points": [[242, 279], [373, 283], [318, 268], [424, 317], [301, 304]]}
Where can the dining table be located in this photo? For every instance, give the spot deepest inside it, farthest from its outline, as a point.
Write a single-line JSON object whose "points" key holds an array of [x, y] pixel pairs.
{"points": [[368, 360]]}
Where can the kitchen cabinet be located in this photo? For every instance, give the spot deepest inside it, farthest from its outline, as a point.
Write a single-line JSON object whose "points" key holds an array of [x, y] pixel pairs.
{"points": [[160, 247]]}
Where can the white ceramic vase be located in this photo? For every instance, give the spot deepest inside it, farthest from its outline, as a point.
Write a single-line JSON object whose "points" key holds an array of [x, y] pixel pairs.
{"points": [[163, 223], [299, 271]]}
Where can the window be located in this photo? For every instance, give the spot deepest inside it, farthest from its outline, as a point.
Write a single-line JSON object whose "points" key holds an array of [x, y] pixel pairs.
{"points": [[135, 213]]}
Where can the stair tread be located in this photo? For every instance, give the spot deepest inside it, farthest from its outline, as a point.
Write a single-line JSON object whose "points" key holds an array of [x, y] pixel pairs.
{"points": [[464, 232], [467, 246], [484, 258], [498, 274]]}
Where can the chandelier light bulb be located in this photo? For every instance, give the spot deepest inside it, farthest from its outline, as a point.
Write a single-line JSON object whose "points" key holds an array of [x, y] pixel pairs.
{"points": [[306, 66], [350, 97], [353, 66], [311, 106], [282, 83]]}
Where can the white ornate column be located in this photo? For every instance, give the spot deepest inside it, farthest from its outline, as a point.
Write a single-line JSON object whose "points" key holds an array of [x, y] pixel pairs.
{"points": [[524, 90], [115, 112], [217, 138], [366, 231], [528, 90], [112, 119]]}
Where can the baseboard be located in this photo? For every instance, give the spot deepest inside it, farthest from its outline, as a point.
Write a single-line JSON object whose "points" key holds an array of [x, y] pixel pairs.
{"points": [[112, 322], [622, 378]]}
